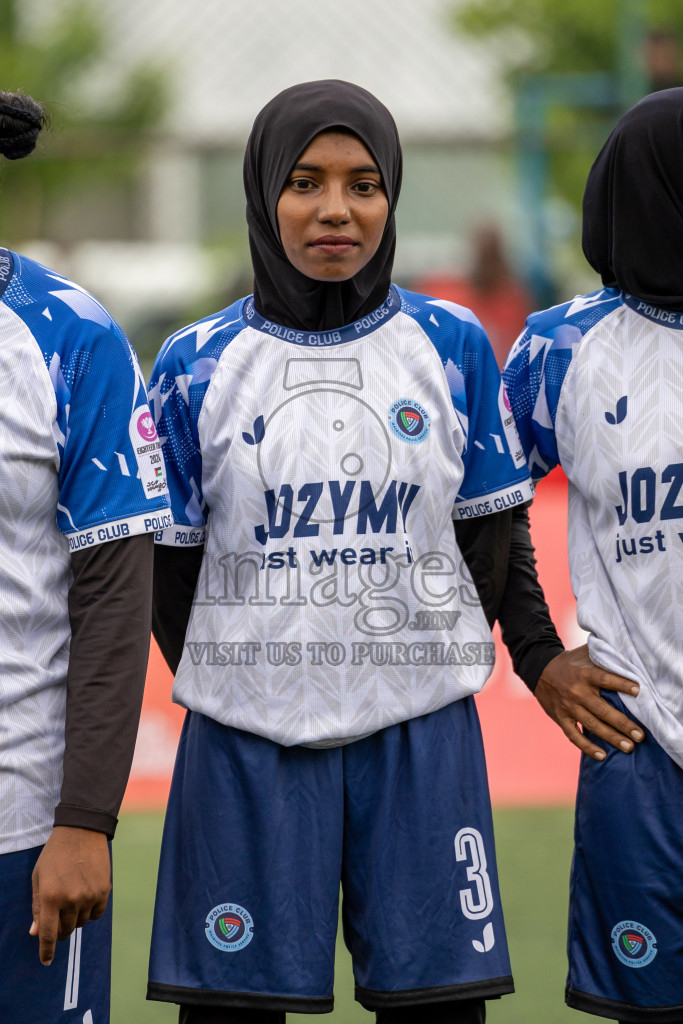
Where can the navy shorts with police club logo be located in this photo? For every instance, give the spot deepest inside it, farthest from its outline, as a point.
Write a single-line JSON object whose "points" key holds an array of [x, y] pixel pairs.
{"points": [[626, 899], [258, 837], [75, 988]]}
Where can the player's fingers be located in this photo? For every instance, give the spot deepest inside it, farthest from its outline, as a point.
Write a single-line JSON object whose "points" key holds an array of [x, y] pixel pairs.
{"points": [[48, 926], [580, 740], [610, 724], [68, 920], [91, 912], [619, 684], [83, 917], [604, 732], [35, 906], [98, 909]]}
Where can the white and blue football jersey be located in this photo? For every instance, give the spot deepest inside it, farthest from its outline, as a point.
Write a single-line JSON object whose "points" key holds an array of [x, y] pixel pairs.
{"points": [[596, 385], [322, 471], [80, 464]]}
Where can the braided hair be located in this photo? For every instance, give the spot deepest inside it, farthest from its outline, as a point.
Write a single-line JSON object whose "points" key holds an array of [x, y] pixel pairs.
{"points": [[21, 121]]}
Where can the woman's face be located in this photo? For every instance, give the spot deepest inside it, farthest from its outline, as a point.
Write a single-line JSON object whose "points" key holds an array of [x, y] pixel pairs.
{"points": [[333, 208]]}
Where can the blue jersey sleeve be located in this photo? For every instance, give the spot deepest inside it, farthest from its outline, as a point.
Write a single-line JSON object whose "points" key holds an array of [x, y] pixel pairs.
{"points": [[495, 472], [180, 379], [171, 405], [534, 399], [496, 476], [112, 481], [537, 368]]}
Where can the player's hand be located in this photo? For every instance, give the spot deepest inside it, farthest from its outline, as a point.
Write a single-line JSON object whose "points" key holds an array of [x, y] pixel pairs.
{"points": [[569, 691], [71, 885]]}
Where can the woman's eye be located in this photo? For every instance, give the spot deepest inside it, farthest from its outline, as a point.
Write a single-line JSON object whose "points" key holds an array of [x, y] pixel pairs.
{"points": [[366, 187], [302, 184]]}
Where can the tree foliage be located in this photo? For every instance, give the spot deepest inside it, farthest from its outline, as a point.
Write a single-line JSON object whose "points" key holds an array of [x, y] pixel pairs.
{"points": [[563, 35], [92, 140], [541, 40]]}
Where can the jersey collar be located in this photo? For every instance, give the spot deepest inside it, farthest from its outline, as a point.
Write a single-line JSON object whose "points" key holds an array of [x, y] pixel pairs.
{"points": [[666, 317], [314, 339], [6, 269]]}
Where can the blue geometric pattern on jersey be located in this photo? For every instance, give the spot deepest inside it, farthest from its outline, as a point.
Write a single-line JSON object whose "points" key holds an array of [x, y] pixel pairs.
{"points": [[97, 386], [537, 366], [474, 383], [180, 379]]}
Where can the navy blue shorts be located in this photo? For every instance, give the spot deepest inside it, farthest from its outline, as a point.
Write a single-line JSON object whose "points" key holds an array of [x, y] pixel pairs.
{"points": [[75, 988], [259, 836], [626, 901]]}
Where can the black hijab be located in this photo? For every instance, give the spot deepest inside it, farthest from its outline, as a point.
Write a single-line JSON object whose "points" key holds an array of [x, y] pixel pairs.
{"points": [[633, 203], [281, 133]]}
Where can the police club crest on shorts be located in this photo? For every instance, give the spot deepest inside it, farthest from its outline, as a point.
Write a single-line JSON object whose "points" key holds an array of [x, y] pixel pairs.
{"points": [[409, 420], [229, 927], [633, 944]]}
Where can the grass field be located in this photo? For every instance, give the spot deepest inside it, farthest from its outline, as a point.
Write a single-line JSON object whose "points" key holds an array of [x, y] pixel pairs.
{"points": [[534, 851]]}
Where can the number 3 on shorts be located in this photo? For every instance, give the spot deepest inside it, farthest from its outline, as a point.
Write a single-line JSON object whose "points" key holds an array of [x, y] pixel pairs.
{"points": [[476, 903]]}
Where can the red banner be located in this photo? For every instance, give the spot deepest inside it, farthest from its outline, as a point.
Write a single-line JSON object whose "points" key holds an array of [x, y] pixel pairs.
{"points": [[530, 761]]}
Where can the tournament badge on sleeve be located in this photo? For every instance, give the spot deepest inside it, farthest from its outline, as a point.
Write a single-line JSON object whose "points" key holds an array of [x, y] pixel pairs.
{"points": [[147, 448]]}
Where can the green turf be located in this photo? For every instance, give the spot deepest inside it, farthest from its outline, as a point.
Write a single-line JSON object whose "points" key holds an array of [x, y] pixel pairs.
{"points": [[534, 851]]}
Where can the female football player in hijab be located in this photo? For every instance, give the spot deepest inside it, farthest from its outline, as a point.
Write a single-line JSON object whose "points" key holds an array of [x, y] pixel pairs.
{"points": [[76, 556], [597, 386], [322, 435]]}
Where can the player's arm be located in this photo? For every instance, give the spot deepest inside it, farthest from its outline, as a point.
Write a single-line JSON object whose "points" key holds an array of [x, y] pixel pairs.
{"points": [[498, 553], [110, 616], [527, 629], [111, 484], [176, 571], [484, 543], [495, 474]]}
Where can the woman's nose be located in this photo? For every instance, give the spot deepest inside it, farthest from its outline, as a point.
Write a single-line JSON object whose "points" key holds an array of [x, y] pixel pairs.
{"points": [[334, 205]]}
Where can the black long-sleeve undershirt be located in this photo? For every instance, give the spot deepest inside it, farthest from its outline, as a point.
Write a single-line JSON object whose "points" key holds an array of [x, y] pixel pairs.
{"points": [[110, 604], [526, 626], [500, 557], [176, 571]]}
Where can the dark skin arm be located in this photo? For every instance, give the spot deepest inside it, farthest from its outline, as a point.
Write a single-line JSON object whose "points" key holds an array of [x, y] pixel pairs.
{"points": [[71, 885]]}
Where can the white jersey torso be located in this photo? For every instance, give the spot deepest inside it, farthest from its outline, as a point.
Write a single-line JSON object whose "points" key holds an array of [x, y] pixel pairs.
{"points": [[332, 599]]}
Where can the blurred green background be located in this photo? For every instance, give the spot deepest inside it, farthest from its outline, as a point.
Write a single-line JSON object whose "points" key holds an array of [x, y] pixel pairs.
{"points": [[534, 853], [502, 105]]}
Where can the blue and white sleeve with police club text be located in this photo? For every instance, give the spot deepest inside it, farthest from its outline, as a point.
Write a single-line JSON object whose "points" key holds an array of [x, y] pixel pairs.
{"points": [[495, 472], [112, 481]]}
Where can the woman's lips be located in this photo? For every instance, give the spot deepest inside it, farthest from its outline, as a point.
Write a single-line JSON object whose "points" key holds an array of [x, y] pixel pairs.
{"points": [[333, 245]]}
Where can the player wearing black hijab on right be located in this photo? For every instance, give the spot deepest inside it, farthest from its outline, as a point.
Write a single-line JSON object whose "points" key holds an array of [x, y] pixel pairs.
{"points": [[596, 385]]}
